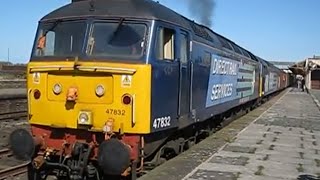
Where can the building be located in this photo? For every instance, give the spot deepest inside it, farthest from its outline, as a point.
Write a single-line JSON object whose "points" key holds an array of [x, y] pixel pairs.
{"points": [[310, 70], [284, 65]]}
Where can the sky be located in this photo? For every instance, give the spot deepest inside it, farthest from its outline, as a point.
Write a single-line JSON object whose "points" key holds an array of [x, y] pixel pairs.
{"points": [[276, 30]]}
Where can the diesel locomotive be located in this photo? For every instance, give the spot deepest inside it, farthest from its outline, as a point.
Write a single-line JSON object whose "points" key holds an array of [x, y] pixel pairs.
{"points": [[116, 85]]}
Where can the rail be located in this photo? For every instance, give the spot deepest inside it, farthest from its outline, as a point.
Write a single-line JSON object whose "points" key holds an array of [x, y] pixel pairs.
{"points": [[13, 80], [13, 115], [5, 153], [13, 104], [13, 171]]}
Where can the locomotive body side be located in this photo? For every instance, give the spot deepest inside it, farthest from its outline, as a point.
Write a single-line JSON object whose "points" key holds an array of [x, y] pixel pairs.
{"points": [[204, 81], [106, 91]]}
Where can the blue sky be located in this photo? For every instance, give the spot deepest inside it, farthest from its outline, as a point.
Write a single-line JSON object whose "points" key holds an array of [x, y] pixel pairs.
{"points": [[286, 30]]}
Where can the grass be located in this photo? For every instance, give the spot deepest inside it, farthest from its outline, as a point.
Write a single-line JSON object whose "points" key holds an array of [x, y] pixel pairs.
{"points": [[228, 139]]}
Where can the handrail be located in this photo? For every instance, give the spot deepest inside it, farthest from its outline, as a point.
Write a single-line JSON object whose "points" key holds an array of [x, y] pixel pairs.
{"points": [[83, 68]]}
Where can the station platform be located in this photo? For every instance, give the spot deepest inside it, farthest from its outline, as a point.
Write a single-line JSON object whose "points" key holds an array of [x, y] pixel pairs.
{"points": [[278, 140]]}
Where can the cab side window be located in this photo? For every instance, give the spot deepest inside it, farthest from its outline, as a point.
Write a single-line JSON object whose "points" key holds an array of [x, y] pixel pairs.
{"points": [[184, 48], [165, 44]]}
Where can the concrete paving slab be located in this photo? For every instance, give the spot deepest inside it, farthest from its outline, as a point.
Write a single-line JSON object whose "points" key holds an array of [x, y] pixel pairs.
{"points": [[281, 144]]}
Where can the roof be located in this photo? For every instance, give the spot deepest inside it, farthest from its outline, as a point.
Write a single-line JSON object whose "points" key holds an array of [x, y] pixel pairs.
{"points": [[139, 9], [282, 64], [146, 9]]}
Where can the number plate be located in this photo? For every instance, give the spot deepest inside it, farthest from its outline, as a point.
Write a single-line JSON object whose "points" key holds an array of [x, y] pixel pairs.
{"points": [[116, 112], [162, 122]]}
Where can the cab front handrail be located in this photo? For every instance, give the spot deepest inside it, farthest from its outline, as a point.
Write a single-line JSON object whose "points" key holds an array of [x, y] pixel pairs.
{"points": [[83, 68]]}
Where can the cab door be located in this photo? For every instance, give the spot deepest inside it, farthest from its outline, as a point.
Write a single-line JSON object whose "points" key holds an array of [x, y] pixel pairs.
{"points": [[165, 78], [185, 79]]}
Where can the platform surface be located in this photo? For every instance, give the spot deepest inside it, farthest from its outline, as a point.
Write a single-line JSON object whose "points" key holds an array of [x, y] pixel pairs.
{"points": [[281, 143]]}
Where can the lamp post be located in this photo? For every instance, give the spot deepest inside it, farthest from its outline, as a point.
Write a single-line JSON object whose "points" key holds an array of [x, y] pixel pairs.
{"points": [[8, 55]]}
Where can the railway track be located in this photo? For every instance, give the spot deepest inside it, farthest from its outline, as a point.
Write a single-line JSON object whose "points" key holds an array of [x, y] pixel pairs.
{"points": [[10, 172], [5, 153], [13, 109], [13, 115], [13, 103]]}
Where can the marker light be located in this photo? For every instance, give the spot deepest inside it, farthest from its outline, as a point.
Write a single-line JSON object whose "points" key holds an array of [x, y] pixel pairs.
{"points": [[100, 90], [36, 94], [84, 118], [126, 99], [57, 88]]}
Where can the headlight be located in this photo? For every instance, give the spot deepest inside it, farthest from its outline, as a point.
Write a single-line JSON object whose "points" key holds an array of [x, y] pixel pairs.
{"points": [[84, 118], [57, 88], [100, 90]]}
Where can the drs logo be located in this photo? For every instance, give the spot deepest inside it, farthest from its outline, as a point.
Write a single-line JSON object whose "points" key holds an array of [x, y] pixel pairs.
{"points": [[162, 122]]}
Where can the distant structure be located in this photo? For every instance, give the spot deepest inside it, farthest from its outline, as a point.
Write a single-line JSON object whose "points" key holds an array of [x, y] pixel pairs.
{"points": [[9, 70], [310, 70], [282, 64], [5, 63]]}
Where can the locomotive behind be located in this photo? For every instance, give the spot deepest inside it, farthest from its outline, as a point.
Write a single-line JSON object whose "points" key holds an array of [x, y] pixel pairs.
{"points": [[115, 85]]}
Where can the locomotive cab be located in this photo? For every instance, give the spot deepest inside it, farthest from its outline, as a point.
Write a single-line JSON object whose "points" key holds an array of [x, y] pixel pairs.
{"points": [[88, 96]]}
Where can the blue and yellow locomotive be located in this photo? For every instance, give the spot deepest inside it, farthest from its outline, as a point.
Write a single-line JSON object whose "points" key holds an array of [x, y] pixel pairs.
{"points": [[113, 85]]}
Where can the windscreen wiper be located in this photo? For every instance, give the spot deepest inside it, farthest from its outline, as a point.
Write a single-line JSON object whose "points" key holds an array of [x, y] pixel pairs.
{"points": [[42, 39], [56, 23], [117, 30]]}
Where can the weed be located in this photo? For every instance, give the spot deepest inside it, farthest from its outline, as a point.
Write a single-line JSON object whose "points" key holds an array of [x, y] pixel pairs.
{"points": [[317, 162], [271, 147], [301, 155], [300, 168], [259, 142], [266, 157], [259, 171], [314, 143]]}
